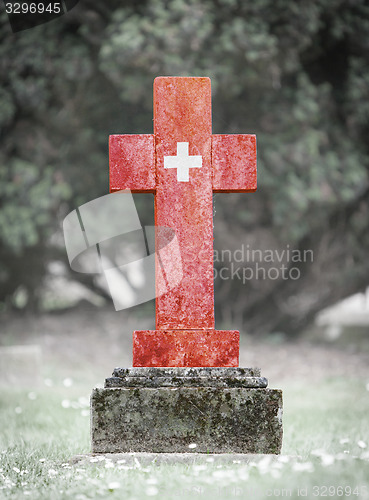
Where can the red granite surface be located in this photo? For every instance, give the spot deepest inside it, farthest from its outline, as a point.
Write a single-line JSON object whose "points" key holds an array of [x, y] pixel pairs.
{"points": [[182, 113], [234, 163], [185, 348], [132, 163]]}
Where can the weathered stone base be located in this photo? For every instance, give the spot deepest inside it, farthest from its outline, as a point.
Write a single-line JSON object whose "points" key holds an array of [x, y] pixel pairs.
{"points": [[214, 416]]}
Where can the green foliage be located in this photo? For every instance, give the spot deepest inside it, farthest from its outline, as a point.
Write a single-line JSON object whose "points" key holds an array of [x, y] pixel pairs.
{"points": [[31, 198], [294, 73]]}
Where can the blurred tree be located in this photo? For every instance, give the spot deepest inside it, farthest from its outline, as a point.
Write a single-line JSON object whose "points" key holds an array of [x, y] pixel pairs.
{"points": [[296, 74]]}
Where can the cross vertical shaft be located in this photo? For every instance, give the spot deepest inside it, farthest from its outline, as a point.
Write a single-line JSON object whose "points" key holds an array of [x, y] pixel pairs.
{"points": [[182, 113]]}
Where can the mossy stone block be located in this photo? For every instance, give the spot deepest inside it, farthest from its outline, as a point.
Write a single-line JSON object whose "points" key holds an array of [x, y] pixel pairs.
{"points": [[169, 419]]}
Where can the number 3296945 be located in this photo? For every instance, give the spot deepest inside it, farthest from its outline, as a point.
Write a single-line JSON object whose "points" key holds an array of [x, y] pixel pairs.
{"points": [[33, 8]]}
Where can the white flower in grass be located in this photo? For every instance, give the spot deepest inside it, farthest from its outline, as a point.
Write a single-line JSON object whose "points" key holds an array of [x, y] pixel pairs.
{"points": [[367, 386], [52, 472], [318, 453], [192, 446], [303, 467], [48, 382], [94, 459], [15, 469], [26, 492], [361, 444], [65, 403], [344, 440], [264, 464], [243, 474], [327, 460], [341, 456], [152, 480], [114, 485], [18, 410], [8, 482], [32, 396], [275, 473], [152, 491], [85, 413], [42, 460], [67, 382], [109, 465], [199, 467], [219, 474], [210, 459], [277, 465], [121, 461], [84, 402]]}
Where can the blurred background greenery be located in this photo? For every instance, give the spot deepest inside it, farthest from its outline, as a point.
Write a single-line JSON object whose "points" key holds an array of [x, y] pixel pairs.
{"points": [[294, 73]]}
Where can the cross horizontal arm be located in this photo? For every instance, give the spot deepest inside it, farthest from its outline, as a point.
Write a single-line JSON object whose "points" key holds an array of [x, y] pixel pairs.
{"points": [[132, 163], [234, 163]]}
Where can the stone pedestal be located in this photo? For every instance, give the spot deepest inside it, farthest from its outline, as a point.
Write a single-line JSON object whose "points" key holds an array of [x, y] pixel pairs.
{"points": [[169, 410], [179, 348]]}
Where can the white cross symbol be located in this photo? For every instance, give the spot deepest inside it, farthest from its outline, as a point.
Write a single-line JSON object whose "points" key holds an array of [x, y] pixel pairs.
{"points": [[183, 162]]}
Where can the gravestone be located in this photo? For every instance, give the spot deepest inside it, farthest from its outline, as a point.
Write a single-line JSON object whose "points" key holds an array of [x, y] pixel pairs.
{"points": [[185, 391]]}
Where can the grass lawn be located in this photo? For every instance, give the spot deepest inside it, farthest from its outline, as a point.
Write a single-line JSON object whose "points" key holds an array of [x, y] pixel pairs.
{"points": [[325, 451]]}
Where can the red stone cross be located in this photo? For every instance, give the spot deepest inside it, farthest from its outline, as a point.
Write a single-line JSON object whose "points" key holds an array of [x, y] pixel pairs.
{"points": [[183, 164]]}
